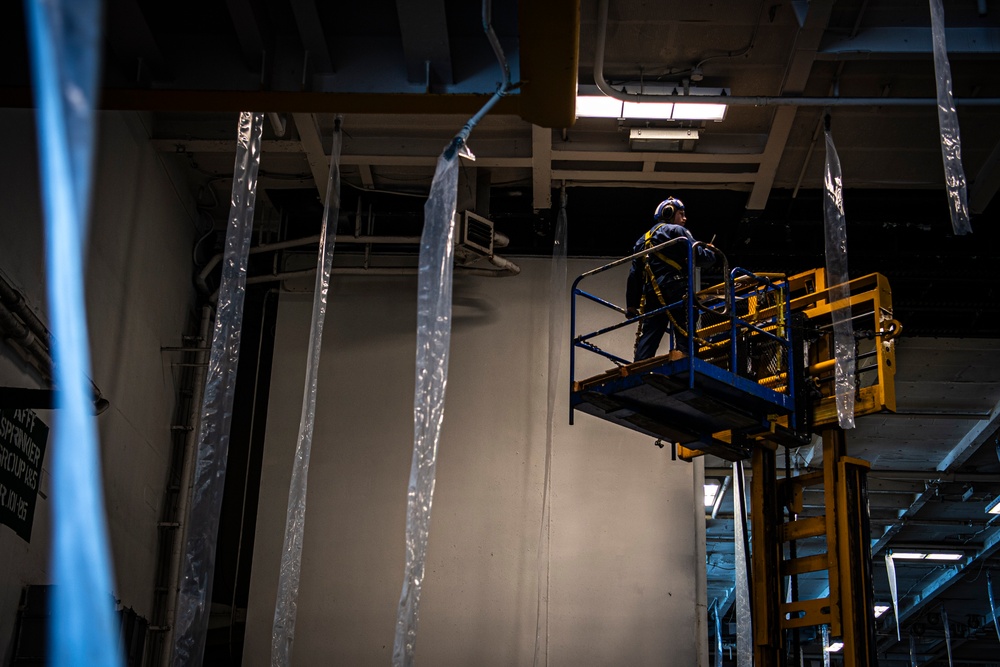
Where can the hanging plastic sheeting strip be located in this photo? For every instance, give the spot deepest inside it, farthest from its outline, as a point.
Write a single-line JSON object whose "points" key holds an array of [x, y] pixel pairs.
{"points": [[64, 38], [913, 651], [283, 630], [557, 328], [947, 634], [744, 624], [434, 284], [195, 591], [890, 570], [951, 142], [718, 637], [836, 278], [993, 609], [826, 646]]}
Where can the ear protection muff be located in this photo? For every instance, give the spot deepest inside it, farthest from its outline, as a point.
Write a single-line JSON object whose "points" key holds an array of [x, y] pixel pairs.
{"points": [[667, 208]]}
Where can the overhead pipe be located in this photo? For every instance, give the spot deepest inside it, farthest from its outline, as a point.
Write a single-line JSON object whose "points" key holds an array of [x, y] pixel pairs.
{"points": [[499, 241], [755, 100]]}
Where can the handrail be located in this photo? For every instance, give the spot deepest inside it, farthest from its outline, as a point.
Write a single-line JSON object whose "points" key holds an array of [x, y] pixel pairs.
{"points": [[736, 325]]}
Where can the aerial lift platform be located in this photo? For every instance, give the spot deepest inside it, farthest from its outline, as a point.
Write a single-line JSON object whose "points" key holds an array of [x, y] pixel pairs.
{"points": [[758, 374]]}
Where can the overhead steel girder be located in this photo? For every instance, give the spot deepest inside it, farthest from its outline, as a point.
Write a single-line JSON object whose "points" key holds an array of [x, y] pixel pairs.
{"points": [[974, 438], [426, 49], [901, 42], [938, 586]]}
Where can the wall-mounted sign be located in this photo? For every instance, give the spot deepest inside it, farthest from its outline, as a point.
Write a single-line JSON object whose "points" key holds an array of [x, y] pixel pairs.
{"points": [[22, 448]]}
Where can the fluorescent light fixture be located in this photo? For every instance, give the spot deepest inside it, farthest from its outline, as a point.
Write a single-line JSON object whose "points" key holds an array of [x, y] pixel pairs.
{"points": [[711, 491], [648, 110], [592, 103], [920, 555], [655, 134], [714, 112], [994, 507], [598, 106], [880, 609], [834, 647]]}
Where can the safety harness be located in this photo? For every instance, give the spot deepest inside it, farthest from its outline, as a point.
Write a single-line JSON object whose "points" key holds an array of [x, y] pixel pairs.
{"points": [[650, 278]]}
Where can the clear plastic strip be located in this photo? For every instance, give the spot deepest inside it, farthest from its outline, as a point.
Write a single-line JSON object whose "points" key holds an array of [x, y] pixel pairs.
{"points": [[194, 594], [993, 609], [890, 569], [64, 40], [434, 284], [951, 142], [836, 279], [744, 623], [826, 646], [557, 333], [718, 637], [283, 630], [913, 651], [947, 634]]}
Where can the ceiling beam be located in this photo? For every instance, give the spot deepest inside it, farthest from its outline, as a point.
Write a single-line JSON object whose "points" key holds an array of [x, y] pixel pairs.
{"points": [[800, 63], [313, 37], [952, 575], [312, 143], [426, 49], [132, 42], [251, 30], [986, 183], [893, 42], [541, 167]]}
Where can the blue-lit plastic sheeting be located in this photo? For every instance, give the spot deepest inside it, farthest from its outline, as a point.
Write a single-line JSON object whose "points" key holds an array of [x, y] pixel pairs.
{"points": [[951, 142], [557, 341], [913, 650], [947, 634], [890, 570], [195, 591], [434, 284], [744, 624], [993, 609], [836, 278], [718, 637], [283, 629], [64, 38], [826, 646]]}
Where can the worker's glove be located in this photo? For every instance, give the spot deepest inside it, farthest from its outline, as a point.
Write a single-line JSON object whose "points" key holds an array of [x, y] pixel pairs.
{"points": [[631, 312]]}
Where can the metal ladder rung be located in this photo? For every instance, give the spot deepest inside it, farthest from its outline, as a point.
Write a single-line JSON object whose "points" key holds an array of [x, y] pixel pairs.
{"points": [[814, 563], [799, 529]]}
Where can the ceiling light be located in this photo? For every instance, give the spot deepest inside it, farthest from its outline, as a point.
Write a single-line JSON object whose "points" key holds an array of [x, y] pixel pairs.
{"points": [[834, 647], [920, 555], [598, 106], [658, 102], [880, 609], [711, 491], [994, 507]]}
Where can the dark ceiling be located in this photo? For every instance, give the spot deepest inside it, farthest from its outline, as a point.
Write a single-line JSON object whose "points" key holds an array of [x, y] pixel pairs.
{"points": [[407, 75]]}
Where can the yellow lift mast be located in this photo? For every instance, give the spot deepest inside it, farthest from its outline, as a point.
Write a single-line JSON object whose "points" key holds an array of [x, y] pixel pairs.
{"points": [[758, 375]]}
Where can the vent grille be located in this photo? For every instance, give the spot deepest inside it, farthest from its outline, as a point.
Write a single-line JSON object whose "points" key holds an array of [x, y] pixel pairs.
{"points": [[476, 233]]}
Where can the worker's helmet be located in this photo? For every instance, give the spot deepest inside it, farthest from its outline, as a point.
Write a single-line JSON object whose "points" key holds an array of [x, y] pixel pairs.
{"points": [[665, 211]]}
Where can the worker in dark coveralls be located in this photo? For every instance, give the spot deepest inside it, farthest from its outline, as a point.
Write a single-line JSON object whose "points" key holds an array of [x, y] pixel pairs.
{"points": [[661, 278]]}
